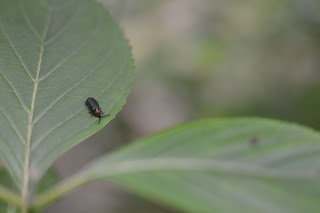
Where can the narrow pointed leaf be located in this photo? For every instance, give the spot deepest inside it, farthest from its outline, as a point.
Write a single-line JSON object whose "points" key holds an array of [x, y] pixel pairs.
{"points": [[223, 165], [55, 54]]}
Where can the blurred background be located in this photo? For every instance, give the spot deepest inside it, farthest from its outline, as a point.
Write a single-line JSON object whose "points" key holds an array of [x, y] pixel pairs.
{"points": [[201, 59]]}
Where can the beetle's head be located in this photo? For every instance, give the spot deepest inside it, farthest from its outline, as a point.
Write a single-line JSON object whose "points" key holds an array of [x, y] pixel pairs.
{"points": [[97, 111]]}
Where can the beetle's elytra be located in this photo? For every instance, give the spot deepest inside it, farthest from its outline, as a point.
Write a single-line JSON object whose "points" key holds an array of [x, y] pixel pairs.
{"points": [[95, 108]]}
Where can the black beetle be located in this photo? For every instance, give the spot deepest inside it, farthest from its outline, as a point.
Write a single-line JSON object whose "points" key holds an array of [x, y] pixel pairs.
{"points": [[95, 108]]}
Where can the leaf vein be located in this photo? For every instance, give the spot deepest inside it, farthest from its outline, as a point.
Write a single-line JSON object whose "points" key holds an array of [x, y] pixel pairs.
{"points": [[42, 160], [12, 150], [13, 126], [15, 92], [25, 180], [199, 164], [15, 52], [86, 76], [89, 73], [27, 19], [45, 135], [71, 55], [63, 29], [65, 60]]}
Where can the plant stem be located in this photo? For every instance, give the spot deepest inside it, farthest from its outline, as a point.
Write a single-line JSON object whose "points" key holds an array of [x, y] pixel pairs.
{"points": [[11, 197], [59, 190]]}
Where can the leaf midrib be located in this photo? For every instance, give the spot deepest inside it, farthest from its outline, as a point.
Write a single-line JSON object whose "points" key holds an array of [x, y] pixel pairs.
{"points": [[25, 180], [195, 164]]}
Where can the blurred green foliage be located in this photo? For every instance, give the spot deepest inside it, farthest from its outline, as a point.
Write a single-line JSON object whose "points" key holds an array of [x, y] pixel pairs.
{"points": [[221, 58], [213, 58]]}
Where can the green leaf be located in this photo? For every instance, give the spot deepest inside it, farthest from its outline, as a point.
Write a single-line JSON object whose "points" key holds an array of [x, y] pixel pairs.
{"points": [[222, 165], [55, 54]]}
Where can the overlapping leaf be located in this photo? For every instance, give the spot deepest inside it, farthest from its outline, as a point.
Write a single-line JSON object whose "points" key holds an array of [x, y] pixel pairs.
{"points": [[223, 165]]}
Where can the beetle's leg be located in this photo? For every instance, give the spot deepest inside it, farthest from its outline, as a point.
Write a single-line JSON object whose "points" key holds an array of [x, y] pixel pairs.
{"points": [[91, 114], [99, 119]]}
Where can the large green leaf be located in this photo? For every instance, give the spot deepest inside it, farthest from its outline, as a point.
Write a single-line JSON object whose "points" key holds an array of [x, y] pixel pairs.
{"points": [[54, 54], [223, 165]]}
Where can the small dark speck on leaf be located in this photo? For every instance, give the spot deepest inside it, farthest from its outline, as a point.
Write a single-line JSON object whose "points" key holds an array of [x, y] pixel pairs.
{"points": [[254, 142]]}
